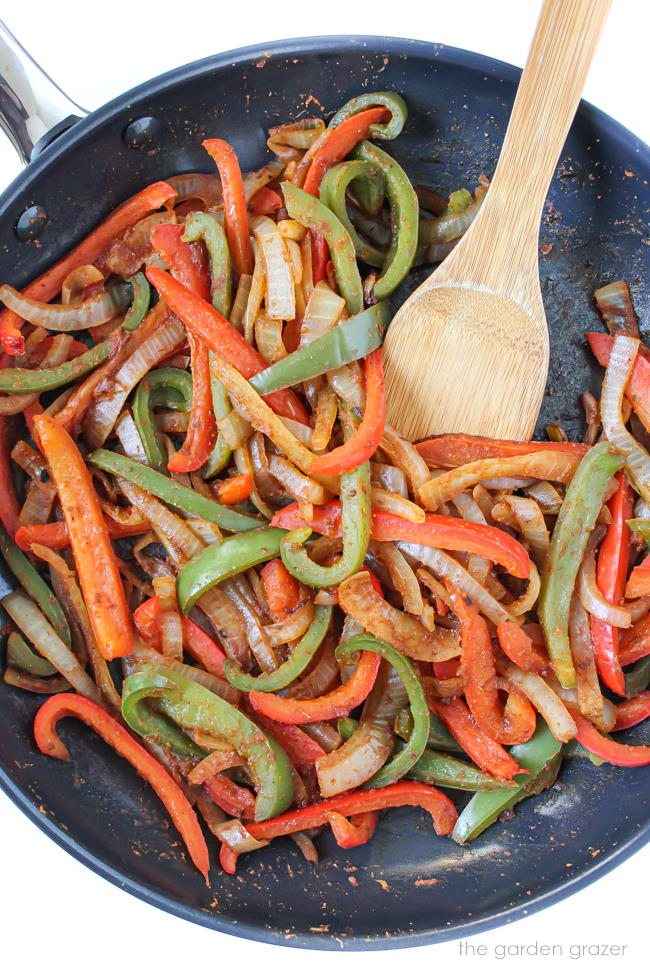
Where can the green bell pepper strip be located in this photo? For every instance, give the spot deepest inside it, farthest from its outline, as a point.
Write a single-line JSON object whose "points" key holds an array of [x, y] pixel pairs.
{"points": [[150, 724], [193, 706], [221, 452], [541, 755], [459, 200], [34, 585], [354, 339], [167, 387], [314, 215], [204, 225], [573, 749], [582, 503], [382, 130], [301, 656], [637, 677], [40, 380], [641, 527], [397, 767], [171, 492], [22, 656], [225, 559], [404, 209], [346, 727], [140, 304], [332, 193], [436, 768], [439, 737], [355, 529]]}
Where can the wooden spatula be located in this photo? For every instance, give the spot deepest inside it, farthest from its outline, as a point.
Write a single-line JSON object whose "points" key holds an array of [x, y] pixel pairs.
{"points": [[468, 351]]}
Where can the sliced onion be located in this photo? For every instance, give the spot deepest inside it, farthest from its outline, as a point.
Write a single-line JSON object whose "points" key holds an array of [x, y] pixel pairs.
{"points": [[235, 835], [604, 722], [258, 178], [129, 437], [159, 516], [637, 608], [617, 374], [395, 504], [450, 226], [29, 459], [526, 602], [615, 306], [301, 431], [402, 576], [324, 310], [404, 455], [590, 595], [347, 383], [144, 654], [295, 257], [206, 531], [545, 700], [390, 478], [298, 485], [280, 292], [532, 526], [268, 338], [320, 678], [544, 464], [325, 414], [38, 503], [218, 760], [159, 336], [590, 698], [286, 141], [255, 296], [469, 509], [67, 318], [452, 571], [364, 753], [164, 588], [293, 626], [228, 623], [244, 465], [240, 303], [28, 617], [506, 483], [75, 282], [548, 497], [257, 638], [197, 186], [235, 429], [324, 733]]}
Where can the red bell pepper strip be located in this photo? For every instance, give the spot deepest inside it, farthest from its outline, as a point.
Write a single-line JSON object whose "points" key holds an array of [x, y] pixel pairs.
{"points": [[487, 753], [638, 387], [234, 489], [340, 141], [302, 750], [439, 531], [456, 449], [220, 336], [518, 647], [367, 437], [234, 204], [280, 588], [188, 263], [320, 257], [355, 831], [265, 201], [639, 582], [611, 572], [635, 642], [478, 670], [93, 246], [97, 567], [55, 535], [171, 795], [335, 704], [441, 808], [629, 756], [147, 618], [9, 507], [235, 800], [446, 669], [634, 711], [30, 412]]}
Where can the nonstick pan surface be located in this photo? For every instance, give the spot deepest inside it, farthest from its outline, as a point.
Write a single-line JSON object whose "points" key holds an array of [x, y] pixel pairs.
{"points": [[407, 886]]}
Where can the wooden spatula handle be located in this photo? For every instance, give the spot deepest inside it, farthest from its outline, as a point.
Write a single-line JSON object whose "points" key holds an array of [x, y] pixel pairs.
{"points": [[547, 98]]}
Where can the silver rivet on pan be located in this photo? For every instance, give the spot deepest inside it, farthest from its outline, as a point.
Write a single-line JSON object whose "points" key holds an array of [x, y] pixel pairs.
{"points": [[142, 133], [31, 223]]}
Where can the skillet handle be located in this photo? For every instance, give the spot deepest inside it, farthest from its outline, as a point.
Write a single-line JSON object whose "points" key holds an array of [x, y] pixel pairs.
{"points": [[33, 109]]}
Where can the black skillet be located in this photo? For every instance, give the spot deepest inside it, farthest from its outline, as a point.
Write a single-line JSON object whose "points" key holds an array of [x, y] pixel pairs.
{"points": [[406, 887]]}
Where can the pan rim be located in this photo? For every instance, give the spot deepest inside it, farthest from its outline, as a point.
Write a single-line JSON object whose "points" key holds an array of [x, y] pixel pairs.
{"points": [[326, 44]]}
